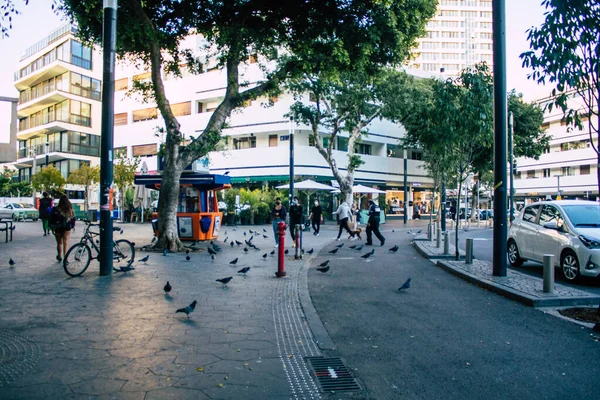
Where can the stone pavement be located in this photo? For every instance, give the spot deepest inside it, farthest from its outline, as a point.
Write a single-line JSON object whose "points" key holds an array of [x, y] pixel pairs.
{"points": [[515, 285]]}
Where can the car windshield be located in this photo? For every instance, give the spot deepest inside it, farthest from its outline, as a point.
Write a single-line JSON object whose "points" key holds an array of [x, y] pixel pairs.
{"points": [[582, 216], [16, 205]]}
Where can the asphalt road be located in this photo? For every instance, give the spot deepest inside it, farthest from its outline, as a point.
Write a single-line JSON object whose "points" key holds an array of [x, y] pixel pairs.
{"points": [[483, 250], [445, 338]]}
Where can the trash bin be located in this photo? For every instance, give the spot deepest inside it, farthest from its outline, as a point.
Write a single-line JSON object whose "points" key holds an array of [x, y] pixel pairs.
{"points": [[92, 215]]}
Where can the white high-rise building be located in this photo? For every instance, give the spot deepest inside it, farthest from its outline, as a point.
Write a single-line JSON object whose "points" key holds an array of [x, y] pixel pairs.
{"points": [[458, 36]]}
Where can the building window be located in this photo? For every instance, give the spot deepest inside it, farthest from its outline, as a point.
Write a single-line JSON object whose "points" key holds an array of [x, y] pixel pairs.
{"points": [[362, 148], [145, 77], [244, 143], [181, 109], [81, 55], [584, 169], [564, 146], [531, 174], [342, 144], [69, 111], [145, 114], [416, 155], [395, 151], [120, 119], [120, 152], [121, 84], [273, 141], [546, 172], [545, 125], [144, 150], [518, 175], [566, 171]]}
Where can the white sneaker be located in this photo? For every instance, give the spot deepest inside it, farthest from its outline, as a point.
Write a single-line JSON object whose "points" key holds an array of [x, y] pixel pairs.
{"points": [[352, 238], [276, 246], [338, 239], [317, 234]]}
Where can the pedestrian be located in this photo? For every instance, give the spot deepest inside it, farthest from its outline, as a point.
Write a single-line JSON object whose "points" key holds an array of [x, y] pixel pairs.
{"points": [[295, 218], [44, 210], [278, 214], [62, 221], [354, 212], [316, 215], [373, 224], [343, 213]]}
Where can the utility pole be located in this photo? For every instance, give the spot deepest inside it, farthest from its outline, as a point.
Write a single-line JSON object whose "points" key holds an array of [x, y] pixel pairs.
{"points": [[47, 147], [511, 201], [405, 185], [291, 160], [34, 155], [109, 45], [500, 120]]}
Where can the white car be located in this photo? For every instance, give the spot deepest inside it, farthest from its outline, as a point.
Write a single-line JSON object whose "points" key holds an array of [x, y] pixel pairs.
{"points": [[567, 229], [18, 212]]}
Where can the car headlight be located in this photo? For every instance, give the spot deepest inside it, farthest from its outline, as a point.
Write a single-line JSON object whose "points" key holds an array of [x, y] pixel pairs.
{"points": [[589, 243]]}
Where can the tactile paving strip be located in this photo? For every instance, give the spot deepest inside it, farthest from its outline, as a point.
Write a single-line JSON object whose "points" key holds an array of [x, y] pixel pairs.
{"points": [[17, 356]]}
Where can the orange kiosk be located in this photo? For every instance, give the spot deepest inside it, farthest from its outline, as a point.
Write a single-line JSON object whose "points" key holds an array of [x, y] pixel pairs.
{"points": [[198, 215]]}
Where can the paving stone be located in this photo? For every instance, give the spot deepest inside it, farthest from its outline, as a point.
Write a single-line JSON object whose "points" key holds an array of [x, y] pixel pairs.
{"points": [[97, 386], [148, 382], [177, 393], [198, 360], [33, 392]]}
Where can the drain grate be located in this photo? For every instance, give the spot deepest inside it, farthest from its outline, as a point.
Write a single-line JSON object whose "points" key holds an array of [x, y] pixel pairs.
{"points": [[332, 375]]}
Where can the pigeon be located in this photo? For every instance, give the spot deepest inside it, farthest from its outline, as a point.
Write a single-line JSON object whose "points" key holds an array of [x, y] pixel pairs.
{"points": [[324, 264], [11, 262], [334, 250], [339, 246], [272, 253], [216, 247], [232, 243], [244, 233], [311, 251], [238, 243], [264, 230], [167, 287], [251, 238], [189, 309], [226, 239], [187, 252], [154, 239], [393, 230], [324, 269], [359, 248], [211, 250], [256, 248], [145, 259], [212, 257], [165, 251], [233, 262], [369, 254], [250, 231], [353, 246], [405, 285], [188, 258], [245, 249], [265, 255], [225, 281], [244, 270], [394, 249], [226, 173], [420, 230], [286, 251], [265, 236], [126, 269]]}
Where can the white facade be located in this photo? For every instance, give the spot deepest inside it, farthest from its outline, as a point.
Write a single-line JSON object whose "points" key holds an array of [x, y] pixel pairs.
{"points": [[59, 104], [458, 36], [568, 165]]}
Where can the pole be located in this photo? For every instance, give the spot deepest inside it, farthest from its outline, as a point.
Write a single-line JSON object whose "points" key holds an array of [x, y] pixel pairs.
{"points": [[109, 39], [500, 120], [405, 185], [291, 160], [443, 200], [511, 200], [33, 153], [281, 250], [47, 145]]}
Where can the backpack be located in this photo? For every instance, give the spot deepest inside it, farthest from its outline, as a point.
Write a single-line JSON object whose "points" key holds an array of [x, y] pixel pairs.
{"points": [[57, 221]]}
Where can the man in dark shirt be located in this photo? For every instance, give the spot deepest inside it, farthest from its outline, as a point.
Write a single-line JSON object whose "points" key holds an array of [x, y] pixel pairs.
{"points": [[373, 224], [315, 217], [278, 214], [295, 218], [44, 211]]}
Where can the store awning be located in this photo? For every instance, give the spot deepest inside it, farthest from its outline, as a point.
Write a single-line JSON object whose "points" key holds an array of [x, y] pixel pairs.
{"points": [[205, 181]]}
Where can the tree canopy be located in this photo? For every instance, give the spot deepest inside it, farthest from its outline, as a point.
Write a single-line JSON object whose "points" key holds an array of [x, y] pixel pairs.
{"points": [[48, 179]]}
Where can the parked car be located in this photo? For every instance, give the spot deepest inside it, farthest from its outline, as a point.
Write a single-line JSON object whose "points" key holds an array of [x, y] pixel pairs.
{"points": [[567, 229], [18, 212]]}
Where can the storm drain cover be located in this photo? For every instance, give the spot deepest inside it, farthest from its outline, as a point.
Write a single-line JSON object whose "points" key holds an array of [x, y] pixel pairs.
{"points": [[17, 356], [332, 375]]}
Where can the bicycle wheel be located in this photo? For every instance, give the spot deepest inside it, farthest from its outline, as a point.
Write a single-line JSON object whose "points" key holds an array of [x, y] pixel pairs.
{"points": [[77, 260], [123, 254]]}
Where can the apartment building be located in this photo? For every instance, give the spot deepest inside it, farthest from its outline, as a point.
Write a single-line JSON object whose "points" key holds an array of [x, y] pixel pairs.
{"points": [[568, 166], [256, 148], [59, 104], [458, 36]]}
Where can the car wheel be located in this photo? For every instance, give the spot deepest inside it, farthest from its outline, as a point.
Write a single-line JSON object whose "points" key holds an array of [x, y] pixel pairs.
{"points": [[15, 217], [570, 266], [514, 258]]}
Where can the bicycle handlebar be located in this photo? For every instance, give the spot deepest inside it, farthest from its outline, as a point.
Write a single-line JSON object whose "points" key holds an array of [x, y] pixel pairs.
{"points": [[90, 223]]}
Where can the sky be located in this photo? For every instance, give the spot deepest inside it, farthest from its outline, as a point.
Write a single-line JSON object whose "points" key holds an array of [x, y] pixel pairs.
{"points": [[37, 20]]}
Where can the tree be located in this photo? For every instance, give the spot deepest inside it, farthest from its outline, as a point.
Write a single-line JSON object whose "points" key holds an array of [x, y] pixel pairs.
{"points": [[7, 10], [86, 176], [347, 106], [124, 175], [50, 180], [313, 35], [565, 51]]}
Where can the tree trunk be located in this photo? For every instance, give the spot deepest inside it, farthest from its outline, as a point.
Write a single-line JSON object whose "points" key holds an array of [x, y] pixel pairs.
{"points": [[457, 253], [168, 236]]}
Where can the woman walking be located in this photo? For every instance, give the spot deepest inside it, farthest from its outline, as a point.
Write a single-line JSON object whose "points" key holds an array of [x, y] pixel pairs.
{"points": [[45, 209], [278, 214], [62, 221], [344, 214]]}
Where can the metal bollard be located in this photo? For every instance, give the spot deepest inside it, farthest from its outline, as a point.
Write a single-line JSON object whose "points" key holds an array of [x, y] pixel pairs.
{"points": [[469, 251], [297, 233], [446, 243], [281, 254], [548, 273], [430, 232], [438, 238]]}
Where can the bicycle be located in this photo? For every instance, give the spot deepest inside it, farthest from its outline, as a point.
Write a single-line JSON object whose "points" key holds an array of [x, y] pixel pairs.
{"points": [[79, 256]]}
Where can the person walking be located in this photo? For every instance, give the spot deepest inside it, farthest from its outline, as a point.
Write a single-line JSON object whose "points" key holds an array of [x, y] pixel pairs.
{"points": [[343, 213], [278, 214], [315, 217], [62, 221], [44, 210], [373, 224], [295, 218], [354, 212]]}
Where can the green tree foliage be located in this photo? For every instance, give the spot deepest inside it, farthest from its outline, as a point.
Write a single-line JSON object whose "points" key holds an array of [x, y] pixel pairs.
{"points": [[50, 180], [344, 108], [329, 36], [565, 52], [86, 176], [8, 8], [10, 187]]}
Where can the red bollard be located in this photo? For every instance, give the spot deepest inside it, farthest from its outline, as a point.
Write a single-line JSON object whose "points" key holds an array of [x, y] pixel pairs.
{"points": [[281, 255]]}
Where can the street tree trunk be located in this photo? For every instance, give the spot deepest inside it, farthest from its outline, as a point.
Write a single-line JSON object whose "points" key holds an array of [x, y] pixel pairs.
{"points": [[456, 238]]}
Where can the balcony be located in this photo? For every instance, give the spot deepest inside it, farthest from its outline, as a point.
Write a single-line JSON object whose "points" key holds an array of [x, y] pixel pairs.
{"points": [[50, 123], [53, 148], [43, 72], [32, 102]]}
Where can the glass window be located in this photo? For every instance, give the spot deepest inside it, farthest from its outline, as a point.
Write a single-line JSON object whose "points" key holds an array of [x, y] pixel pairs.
{"points": [[584, 169], [530, 213], [550, 213], [584, 215]]}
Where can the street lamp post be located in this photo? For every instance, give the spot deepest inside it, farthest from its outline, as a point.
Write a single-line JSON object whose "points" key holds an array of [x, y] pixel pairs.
{"points": [[405, 185], [47, 147], [558, 192]]}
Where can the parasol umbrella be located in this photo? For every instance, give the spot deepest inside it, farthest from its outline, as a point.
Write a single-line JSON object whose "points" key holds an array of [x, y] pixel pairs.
{"points": [[310, 187]]}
